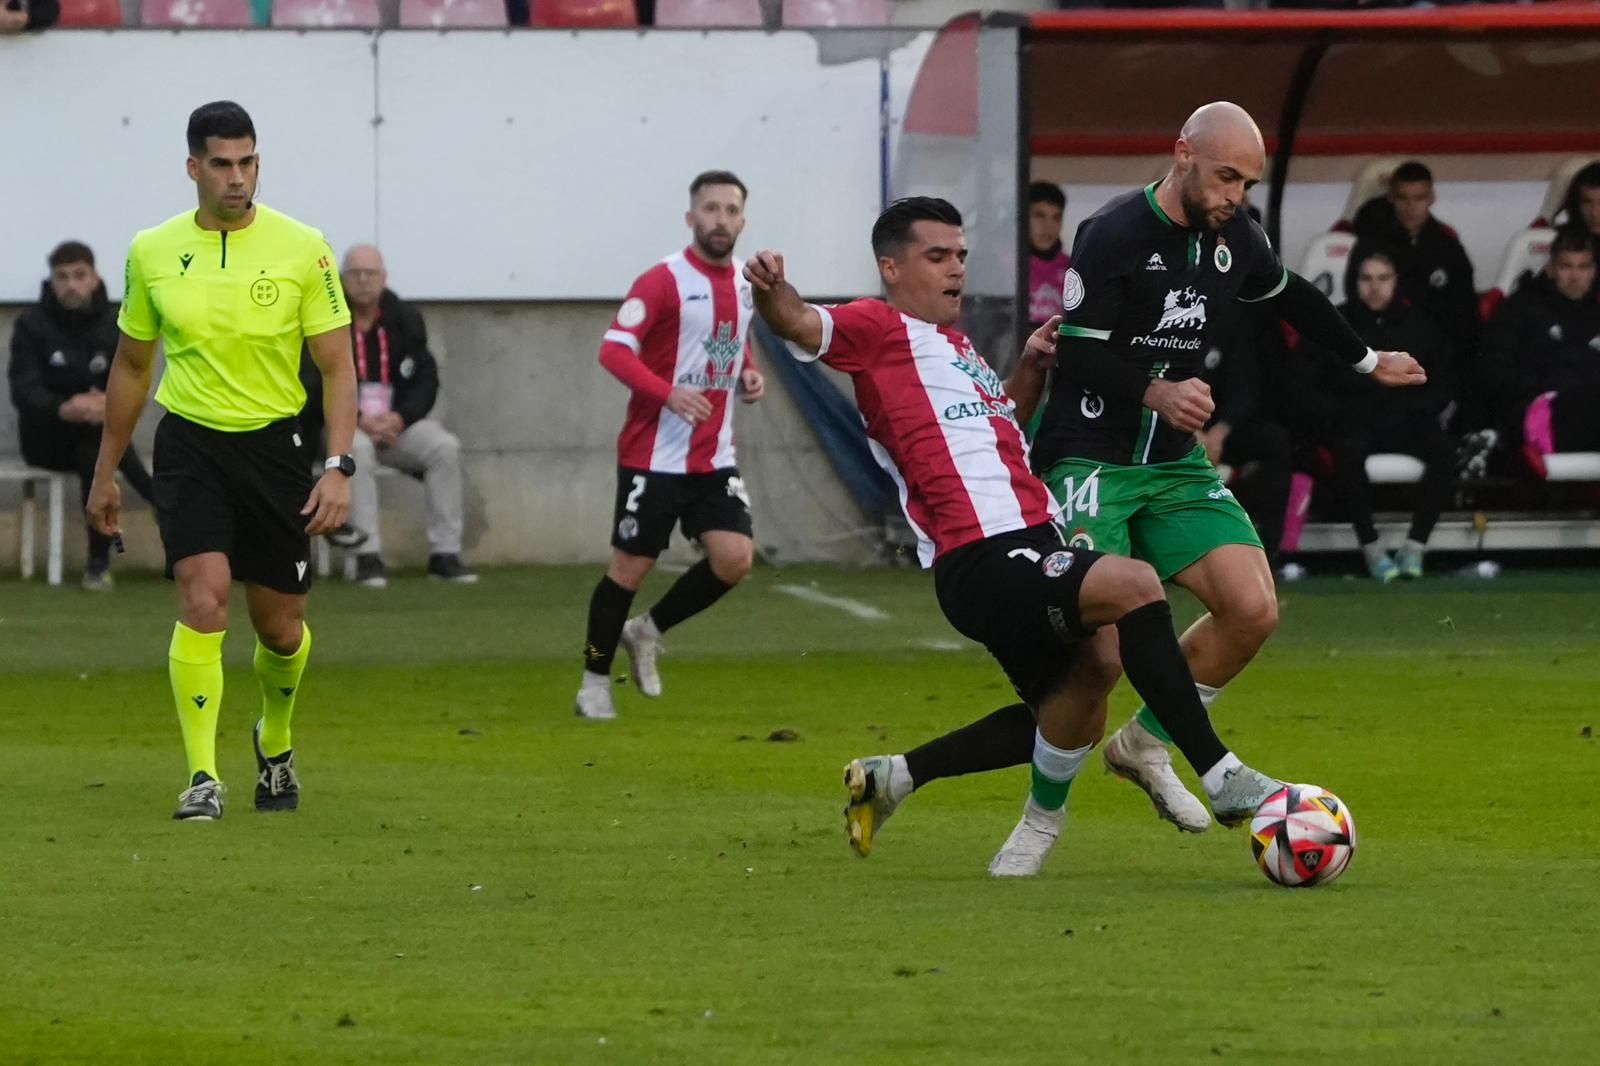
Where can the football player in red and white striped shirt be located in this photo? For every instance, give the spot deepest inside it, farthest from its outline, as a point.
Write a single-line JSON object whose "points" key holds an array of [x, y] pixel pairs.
{"points": [[678, 342], [946, 429]]}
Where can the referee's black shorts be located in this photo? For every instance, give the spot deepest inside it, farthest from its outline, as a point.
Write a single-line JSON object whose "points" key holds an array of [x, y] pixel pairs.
{"points": [[239, 494]]}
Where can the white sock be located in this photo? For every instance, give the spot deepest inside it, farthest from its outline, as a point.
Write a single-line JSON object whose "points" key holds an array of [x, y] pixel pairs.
{"points": [[900, 783], [647, 627], [594, 680], [1208, 695], [1214, 778], [1058, 764]]}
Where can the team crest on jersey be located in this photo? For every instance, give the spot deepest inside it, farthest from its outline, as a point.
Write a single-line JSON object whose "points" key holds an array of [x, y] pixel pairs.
{"points": [[98, 364], [408, 366], [1072, 290], [1439, 278], [722, 349], [264, 291], [631, 313], [1056, 564], [1182, 309], [1222, 257]]}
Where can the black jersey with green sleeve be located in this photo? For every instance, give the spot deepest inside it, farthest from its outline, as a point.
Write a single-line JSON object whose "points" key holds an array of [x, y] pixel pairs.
{"points": [[1151, 291]]}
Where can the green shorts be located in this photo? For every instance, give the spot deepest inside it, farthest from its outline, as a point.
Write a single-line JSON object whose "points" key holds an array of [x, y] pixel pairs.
{"points": [[1167, 514]]}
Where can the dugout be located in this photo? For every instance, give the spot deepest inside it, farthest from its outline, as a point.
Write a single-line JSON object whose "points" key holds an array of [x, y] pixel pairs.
{"points": [[1092, 99]]}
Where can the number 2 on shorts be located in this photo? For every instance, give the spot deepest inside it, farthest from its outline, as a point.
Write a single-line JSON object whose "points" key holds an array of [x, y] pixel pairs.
{"points": [[632, 504]]}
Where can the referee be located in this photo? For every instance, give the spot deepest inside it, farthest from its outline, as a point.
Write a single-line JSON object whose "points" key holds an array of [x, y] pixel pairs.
{"points": [[232, 290]]}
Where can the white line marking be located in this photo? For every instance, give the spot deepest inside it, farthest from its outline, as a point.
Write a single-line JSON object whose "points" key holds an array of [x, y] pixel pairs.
{"points": [[864, 611]]}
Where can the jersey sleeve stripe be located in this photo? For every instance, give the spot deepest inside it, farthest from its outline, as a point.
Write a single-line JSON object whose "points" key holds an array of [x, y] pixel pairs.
{"points": [[1085, 332], [1283, 283], [627, 340], [803, 356]]}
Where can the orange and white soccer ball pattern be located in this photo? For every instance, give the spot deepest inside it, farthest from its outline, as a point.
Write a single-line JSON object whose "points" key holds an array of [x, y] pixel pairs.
{"points": [[1303, 836]]}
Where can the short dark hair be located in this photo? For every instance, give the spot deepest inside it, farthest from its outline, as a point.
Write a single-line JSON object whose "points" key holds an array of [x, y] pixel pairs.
{"points": [[220, 118], [1587, 178], [1571, 239], [717, 177], [892, 232], [1409, 173], [71, 252], [1047, 192]]}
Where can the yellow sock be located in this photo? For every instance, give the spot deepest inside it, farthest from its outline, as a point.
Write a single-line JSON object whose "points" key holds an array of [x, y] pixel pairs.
{"points": [[280, 684], [194, 662]]}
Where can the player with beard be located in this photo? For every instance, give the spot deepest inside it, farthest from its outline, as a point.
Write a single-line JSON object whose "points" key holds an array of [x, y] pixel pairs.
{"points": [[678, 342], [1152, 273]]}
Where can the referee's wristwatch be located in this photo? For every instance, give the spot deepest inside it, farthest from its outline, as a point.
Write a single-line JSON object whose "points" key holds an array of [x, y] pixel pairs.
{"points": [[345, 464]]}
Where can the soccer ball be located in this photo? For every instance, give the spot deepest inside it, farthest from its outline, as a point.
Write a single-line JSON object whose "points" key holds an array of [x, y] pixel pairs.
{"points": [[1302, 836]]}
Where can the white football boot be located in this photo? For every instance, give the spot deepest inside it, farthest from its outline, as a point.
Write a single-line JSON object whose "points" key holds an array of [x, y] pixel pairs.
{"points": [[642, 643], [1134, 755], [1029, 844]]}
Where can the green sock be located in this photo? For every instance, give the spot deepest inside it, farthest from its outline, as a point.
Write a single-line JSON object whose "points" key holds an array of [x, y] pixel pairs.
{"points": [[1053, 772], [194, 662], [1147, 718], [280, 684]]}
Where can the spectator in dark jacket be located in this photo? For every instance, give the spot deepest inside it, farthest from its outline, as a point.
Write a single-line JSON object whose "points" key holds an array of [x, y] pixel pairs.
{"points": [[397, 386], [20, 16], [1582, 205], [1435, 273], [1245, 431], [1542, 352], [61, 351], [1356, 417]]}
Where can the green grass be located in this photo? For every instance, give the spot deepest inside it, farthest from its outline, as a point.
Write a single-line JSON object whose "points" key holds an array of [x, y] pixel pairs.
{"points": [[477, 877]]}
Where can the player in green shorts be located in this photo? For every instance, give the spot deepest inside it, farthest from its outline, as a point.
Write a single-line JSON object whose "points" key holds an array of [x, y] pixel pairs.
{"points": [[1152, 273]]}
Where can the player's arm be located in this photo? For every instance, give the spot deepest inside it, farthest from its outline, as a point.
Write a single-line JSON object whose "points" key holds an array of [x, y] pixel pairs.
{"points": [[637, 321], [329, 503], [780, 305], [127, 387], [1303, 306], [1027, 382]]}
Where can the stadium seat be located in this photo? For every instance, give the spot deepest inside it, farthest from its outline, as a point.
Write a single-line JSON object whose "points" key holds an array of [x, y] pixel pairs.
{"points": [[1526, 254], [1566, 466], [580, 14], [90, 13], [826, 14], [1560, 180], [708, 13], [445, 14], [1371, 180], [325, 14], [1386, 468], [1324, 263], [179, 13], [56, 485]]}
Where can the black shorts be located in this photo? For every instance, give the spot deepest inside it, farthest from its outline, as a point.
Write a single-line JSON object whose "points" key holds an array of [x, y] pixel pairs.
{"points": [[239, 494], [650, 504], [1017, 595]]}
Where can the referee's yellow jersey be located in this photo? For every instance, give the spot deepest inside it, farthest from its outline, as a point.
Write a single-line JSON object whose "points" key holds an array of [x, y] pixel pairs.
{"points": [[232, 310]]}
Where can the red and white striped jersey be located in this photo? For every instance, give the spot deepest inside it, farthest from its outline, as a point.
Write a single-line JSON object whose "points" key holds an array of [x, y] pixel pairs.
{"points": [[684, 323], [940, 423]]}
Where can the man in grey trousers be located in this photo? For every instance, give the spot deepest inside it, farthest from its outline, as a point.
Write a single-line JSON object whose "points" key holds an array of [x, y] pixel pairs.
{"points": [[398, 384]]}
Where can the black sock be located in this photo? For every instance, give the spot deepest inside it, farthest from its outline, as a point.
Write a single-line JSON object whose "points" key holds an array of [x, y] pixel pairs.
{"points": [[1157, 670], [608, 610], [697, 589], [1004, 738]]}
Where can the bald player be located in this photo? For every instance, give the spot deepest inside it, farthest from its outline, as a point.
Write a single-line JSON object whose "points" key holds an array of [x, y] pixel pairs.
{"points": [[1152, 274]]}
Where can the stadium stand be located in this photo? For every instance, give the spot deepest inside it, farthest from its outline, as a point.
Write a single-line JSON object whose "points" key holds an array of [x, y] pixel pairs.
{"points": [[452, 14], [708, 13], [177, 14], [326, 14]]}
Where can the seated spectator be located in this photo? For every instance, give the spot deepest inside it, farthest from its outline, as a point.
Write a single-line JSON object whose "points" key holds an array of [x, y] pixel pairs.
{"points": [[1542, 352], [1582, 205], [1355, 417], [61, 351], [1244, 431], [1435, 273], [20, 16], [1047, 260], [397, 386]]}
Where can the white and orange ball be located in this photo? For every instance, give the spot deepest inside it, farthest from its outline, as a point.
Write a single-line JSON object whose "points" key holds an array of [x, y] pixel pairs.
{"points": [[1302, 836]]}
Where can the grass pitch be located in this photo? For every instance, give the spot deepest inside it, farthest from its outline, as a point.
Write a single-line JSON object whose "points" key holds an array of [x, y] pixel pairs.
{"points": [[477, 877]]}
